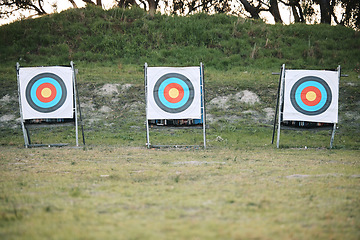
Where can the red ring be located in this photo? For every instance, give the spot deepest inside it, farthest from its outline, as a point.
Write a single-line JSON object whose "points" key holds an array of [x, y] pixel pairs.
{"points": [[315, 101], [46, 99], [167, 90]]}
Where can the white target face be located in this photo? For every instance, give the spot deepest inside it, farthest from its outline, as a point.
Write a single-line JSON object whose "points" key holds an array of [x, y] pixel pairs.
{"points": [[311, 96], [173, 93], [46, 92]]}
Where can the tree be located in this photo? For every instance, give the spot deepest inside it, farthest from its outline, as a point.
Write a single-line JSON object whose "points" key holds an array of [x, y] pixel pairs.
{"points": [[302, 10], [325, 10], [297, 10], [351, 14], [274, 10], [193, 6], [98, 2], [148, 5], [153, 4], [126, 3], [255, 7], [73, 3], [9, 7], [251, 8]]}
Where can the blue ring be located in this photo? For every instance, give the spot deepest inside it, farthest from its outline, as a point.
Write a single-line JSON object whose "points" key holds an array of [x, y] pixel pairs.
{"points": [[158, 93], [326, 95], [317, 85], [162, 89], [35, 82], [46, 104]]}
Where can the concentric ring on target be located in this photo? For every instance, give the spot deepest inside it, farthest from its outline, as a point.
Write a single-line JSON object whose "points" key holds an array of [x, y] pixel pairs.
{"points": [[173, 93], [46, 92], [311, 95]]}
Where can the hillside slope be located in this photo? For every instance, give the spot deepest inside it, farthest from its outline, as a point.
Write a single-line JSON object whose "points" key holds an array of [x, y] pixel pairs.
{"points": [[110, 48], [222, 41]]}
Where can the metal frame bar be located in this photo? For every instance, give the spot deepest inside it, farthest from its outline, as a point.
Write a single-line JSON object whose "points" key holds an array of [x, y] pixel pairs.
{"points": [[280, 102], [332, 136], [79, 105], [334, 127], [277, 104], [146, 104], [202, 92], [24, 129], [76, 99], [75, 106], [203, 110]]}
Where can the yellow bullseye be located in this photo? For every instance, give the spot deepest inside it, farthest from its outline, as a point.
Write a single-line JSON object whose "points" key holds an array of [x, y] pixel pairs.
{"points": [[46, 92], [310, 96], [174, 93]]}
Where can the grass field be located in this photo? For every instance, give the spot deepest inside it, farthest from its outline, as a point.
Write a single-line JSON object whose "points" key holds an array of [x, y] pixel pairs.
{"points": [[134, 193], [240, 187]]}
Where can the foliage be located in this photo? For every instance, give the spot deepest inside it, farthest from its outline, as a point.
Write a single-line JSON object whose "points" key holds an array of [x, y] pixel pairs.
{"points": [[9, 7], [351, 16], [301, 10], [221, 41]]}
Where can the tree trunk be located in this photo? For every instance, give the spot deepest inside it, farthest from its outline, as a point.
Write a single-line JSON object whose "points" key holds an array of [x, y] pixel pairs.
{"points": [[89, 2], [73, 3], [126, 3], [152, 7], [98, 3], [274, 10], [301, 14], [325, 11], [254, 12]]}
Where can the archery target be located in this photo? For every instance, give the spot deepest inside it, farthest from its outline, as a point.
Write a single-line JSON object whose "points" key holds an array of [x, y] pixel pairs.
{"points": [[46, 92], [311, 96], [173, 93]]}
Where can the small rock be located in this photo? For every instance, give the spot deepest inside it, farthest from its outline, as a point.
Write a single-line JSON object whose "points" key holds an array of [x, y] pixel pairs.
{"points": [[105, 109], [7, 118], [109, 89], [247, 96], [219, 139], [126, 86], [220, 102]]}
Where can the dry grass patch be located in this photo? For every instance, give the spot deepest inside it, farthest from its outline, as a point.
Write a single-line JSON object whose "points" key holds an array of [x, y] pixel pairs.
{"points": [[134, 193]]}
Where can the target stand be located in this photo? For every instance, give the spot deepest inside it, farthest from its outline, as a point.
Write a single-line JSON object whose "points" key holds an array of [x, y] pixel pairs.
{"points": [[48, 98], [307, 100], [175, 98]]}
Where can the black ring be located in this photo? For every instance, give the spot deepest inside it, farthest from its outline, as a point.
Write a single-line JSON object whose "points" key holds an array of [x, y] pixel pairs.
{"points": [[315, 79], [185, 80], [32, 82]]}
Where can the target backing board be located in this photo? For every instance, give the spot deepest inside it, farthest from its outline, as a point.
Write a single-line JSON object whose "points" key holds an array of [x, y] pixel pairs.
{"points": [[311, 95], [173, 93], [46, 92]]}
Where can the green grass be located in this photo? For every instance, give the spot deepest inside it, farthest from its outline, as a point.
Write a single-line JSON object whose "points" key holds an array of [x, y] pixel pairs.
{"points": [[241, 187], [112, 46], [221, 41], [124, 125], [134, 193], [218, 136]]}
